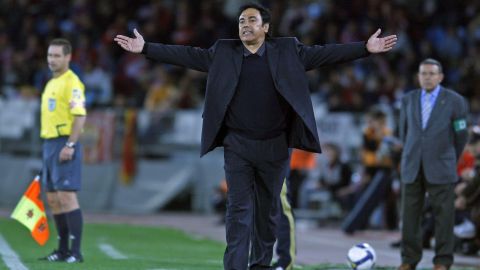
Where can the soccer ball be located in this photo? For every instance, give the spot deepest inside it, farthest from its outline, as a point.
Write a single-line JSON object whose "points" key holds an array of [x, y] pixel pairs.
{"points": [[361, 257]]}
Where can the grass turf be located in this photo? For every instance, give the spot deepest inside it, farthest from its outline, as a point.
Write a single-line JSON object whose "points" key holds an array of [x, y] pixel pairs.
{"points": [[146, 248]]}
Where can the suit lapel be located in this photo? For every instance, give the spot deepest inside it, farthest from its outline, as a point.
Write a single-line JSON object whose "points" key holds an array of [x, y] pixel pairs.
{"points": [[272, 55], [238, 58], [417, 108], [437, 108]]}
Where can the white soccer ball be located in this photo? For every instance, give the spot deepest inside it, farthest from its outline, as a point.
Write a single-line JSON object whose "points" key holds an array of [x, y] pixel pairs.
{"points": [[361, 257]]}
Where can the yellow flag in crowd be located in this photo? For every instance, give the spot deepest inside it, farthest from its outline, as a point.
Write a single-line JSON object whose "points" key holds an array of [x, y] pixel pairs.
{"points": [[31, 213]]}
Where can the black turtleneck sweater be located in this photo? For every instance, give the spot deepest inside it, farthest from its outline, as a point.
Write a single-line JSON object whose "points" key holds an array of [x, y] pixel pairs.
{"points": [[257, 111]]}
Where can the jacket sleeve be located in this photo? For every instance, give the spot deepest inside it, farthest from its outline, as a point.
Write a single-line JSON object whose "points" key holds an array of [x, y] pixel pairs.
{"points": [[402, 125], [320, 55], [460, 125], [186, 56]]}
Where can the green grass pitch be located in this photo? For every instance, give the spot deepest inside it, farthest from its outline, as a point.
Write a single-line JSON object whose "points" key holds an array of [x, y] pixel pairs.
{"points": [[145, 248]]}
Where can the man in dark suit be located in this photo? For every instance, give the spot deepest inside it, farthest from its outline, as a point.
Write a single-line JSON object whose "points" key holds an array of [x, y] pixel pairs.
{"points": [[433, 129], [257, 106]]}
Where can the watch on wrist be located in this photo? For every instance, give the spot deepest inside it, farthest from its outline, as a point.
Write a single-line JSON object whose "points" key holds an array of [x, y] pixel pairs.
{"points": [[70, 144]]}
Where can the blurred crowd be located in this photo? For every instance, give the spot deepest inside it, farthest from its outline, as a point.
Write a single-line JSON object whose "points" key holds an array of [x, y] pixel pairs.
{"points": [[447, 30]]}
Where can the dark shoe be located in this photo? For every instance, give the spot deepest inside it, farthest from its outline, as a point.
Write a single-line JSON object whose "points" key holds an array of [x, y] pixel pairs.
{"points": [[405, 266], [396, 244], [55, 256], [440, 267], [74, 259]]}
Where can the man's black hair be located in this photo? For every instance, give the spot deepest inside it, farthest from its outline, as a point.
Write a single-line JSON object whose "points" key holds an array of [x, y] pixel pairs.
{"points": [[264, 13], [431, 61]]}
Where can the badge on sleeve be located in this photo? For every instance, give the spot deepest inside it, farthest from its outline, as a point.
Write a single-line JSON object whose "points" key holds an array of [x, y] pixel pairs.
{"points": [[52, 104], [459, 125], [76, 94]]}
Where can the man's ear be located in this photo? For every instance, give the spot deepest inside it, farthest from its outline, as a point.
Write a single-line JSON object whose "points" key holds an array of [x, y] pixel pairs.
{"points": [[266, 26]]}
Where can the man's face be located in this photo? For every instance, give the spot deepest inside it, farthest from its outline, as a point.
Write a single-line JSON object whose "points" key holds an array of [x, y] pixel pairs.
{"points": [[377, 124], [57, 60], [330, 153], [429, 76], [250, 26]]}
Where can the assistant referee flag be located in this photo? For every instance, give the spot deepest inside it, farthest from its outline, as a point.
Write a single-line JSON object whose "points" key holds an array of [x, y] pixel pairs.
{"points": [[31, 213]]}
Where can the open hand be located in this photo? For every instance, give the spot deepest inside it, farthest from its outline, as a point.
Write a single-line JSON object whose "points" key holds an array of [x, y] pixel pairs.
{"points": [[378, 45], [134, 45]]}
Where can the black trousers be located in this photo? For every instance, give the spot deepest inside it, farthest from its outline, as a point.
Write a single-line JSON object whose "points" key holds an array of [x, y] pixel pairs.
{"points": [[441, 197], [255, 171]]}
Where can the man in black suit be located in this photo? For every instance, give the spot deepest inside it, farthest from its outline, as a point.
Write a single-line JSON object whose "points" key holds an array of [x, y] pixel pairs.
{"points": [[433, 129], [257, 106]]}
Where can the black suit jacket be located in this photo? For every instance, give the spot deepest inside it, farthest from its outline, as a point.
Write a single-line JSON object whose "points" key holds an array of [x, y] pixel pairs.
{"points": [[288, 59]]}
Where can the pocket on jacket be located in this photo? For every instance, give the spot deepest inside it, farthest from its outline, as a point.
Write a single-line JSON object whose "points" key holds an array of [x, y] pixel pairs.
{"points": [[448, 156]]}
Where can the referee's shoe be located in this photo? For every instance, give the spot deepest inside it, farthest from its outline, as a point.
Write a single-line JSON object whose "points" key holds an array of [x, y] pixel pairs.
{"points": [[74, 258], [55, 256]]}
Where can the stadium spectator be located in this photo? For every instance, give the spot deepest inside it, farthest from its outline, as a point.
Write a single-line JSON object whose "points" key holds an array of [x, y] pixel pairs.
{"points": [[330, 175], [99, 84], [162, 91], [374, 188], [467, 201]]}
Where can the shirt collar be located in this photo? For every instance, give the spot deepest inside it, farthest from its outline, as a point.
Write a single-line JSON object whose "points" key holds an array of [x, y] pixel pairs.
{"points": [[259, 52], [434, 92]]}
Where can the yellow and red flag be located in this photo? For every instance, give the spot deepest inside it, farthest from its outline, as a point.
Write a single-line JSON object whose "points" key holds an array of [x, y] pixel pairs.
{"points": [[31, 213], [128, 168]]}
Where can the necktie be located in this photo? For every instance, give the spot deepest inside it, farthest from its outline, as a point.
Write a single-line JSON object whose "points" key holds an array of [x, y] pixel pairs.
{"points": [[426, 109]]}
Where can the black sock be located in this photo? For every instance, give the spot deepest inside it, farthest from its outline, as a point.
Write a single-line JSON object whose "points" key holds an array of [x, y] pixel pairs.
{"points": [[62, 230], [75, 226]]}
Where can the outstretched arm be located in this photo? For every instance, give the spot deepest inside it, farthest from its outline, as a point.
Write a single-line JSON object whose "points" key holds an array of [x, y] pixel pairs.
{"points": [[318, 55], [134, 45], [186, 56], [379, 45]]}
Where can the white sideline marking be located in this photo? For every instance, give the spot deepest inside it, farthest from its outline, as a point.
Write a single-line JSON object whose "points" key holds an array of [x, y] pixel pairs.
{"points": [[10, 257], [112, 252]]}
